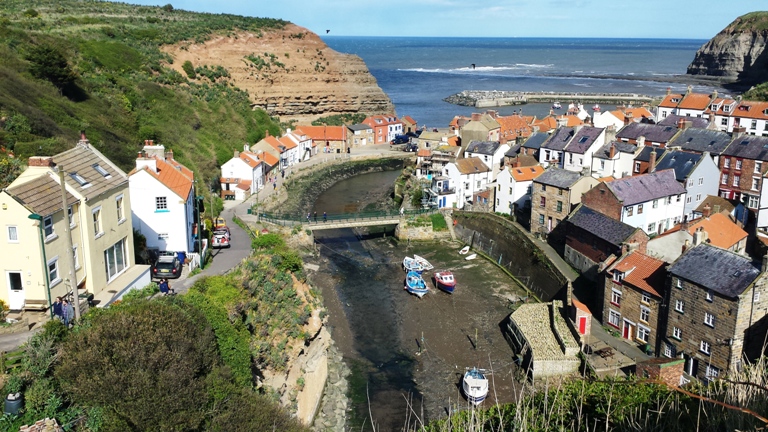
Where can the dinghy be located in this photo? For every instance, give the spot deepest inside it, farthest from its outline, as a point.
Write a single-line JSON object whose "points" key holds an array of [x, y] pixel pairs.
{"points": [[471, 257], [464, 250]]}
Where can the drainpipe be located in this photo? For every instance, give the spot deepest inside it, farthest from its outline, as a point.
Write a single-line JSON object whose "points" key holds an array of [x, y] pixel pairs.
{"points": [[39, 222]]}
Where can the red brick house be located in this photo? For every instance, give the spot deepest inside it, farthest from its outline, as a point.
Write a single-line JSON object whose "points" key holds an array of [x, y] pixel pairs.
{"points": [[385, 127]]}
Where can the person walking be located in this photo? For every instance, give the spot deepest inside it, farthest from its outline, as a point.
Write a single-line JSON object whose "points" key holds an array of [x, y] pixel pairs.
{"points": [[58, 311], [308, 215], [68, 313], [315, 217], [325, 217]]}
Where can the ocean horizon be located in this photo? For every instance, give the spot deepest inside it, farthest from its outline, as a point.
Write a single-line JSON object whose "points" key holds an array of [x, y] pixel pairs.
{"points": [[417, 73]]}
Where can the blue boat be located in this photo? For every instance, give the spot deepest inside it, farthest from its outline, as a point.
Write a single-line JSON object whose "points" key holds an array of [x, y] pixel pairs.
{"points": [[411, 264], [414, 284]]}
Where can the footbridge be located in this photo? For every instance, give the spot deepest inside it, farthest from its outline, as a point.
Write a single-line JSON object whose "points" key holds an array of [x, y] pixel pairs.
{"points": [[342, 220]]}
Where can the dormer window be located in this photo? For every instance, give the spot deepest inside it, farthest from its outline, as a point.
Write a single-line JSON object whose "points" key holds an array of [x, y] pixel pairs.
{"points": [[675, 100], [80, 180], [100, 169], [618, 276], [726, 108]]}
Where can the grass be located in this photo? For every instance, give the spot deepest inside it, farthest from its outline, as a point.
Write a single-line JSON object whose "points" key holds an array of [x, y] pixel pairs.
{"points": [[438, 222]]}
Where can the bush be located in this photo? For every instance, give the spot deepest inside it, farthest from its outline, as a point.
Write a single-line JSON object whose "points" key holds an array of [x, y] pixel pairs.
{"points": [[189, 69], [49, 63], [267, 241]]}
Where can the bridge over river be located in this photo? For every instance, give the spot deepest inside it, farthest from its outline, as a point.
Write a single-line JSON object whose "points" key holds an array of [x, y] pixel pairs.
{"points": [[342, 220], [495, 98]]}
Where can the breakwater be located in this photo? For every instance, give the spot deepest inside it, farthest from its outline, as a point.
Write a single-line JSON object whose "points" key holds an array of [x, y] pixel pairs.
{"points": [[500, 98]]}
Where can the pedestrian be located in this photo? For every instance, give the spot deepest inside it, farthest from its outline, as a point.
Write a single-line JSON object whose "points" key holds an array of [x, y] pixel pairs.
{"points": [[308, 217], [164, 286], [282, 174], [68, 313], [325, 217], [274, 186], [58, 311], [315, 217]]}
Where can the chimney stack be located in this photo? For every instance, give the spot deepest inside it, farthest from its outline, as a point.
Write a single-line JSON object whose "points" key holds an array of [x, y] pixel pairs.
{"points": [[669, 91], [640, 141], [267, 133], [699, 236], [612, 153], [706, 211], [169, 155], [41, 161], [628, 117], [686, 245], [476, 116], [237, 154], [652, 161]]}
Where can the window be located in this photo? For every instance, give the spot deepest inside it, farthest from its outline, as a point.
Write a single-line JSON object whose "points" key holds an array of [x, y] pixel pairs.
{"points": [[97, 221], [478, 184], [13, 234], [53, 271], [680, 306], [688, 200], [690, 182], [738, 164], [48, 226], [639, 209], [637, 167], [710, 296], [758, 164], [679, 197], [570, 158], [560, 192], [667, 351], [704, 347], [724, 179], [655, 204], [645, 297], [651, 227], [677, 333], [712, 372], [115, 260], [80, 180], [602, 165], [726, 162], [709, 319], [701, 181], [629, 210], [543, 202], [669, 200], [756, 296], [618, 276], [755, 183], [753, 201], [74, 257], [543, 188], [541, 219], [99, 169], [753, 125], [645, 313], [119, 206], [614, 318], [616, 297], [71, 216], [698, 197], [679, 283], [559, 206], [643, 333], [161, 203], [736, 180]]}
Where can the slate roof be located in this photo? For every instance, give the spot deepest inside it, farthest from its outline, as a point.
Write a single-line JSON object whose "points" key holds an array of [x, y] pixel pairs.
{"points": [[701, 140], [557, 177], [714, 200], [559, 139], [645, 153], [696, 122], [536, 140], [41, 195], [584, 139], [600, 225], [604, 152], [645, 187], [651, 132], [682, 162], [513, 151], [81, 160], [471, 165], [645, 272], [359, 127], [483, 147], [720, 270], [748, 147]]}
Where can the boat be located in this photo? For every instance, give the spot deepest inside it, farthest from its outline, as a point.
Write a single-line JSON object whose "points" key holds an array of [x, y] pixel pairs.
{"points": [[471, 257], [464, 250], [445, 281], [414, 284], [556, 105], [475, 385], [424, 263], [410, 264], [596, 108]]}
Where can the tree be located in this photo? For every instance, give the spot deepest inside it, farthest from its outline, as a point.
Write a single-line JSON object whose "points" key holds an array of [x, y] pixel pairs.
{"points": [[10, 168], [48, 63]]}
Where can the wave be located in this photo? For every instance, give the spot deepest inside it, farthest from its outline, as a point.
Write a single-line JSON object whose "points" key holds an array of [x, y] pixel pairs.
{"points": [[515, 67]]}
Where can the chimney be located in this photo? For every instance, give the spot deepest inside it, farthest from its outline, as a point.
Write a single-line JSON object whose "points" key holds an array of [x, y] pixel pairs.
{"points": [[686, 245], [681, 123], [41, 161], [237, 154], [739, 131], [669, 91], [628, 118], [684, 223], [765, 263], [246, 147], [612, 152], [82, 136], [146, 161], [640, 141], [476, 116], [706, 211], [169, 155], [151, 142], [699, 236], [716, 208], [652, 161], [267, 133], [689, 90]]}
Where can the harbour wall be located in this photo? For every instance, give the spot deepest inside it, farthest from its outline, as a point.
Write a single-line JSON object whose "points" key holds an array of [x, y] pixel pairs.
{"points": [[497, 98]]}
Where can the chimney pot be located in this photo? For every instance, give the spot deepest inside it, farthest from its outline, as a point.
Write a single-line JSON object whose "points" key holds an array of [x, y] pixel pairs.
{"points": [[41, 161], [706, 211], [652, 161], [613, 151]]}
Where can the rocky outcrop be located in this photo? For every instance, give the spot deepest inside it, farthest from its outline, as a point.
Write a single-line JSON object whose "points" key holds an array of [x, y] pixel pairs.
{"points": [[737, 53], [290, 72]]}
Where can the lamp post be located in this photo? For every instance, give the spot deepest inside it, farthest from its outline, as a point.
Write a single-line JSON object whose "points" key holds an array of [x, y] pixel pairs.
{"points": [[39, 223], [198, 201]]}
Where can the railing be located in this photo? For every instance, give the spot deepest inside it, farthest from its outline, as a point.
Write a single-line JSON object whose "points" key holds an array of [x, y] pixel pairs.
{"points": [[294, 219]]}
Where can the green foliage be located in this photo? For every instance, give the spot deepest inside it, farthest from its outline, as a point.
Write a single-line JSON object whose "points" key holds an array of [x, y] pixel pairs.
{"points": [[340, 120], [438, 222], [13, 383], [757, 93], [142, 293], [213, 73], [111, 55], [753, 21], [55, 330], [189, 69], [41, 399], [416, 195], [48, 63], [268, 241], [41, 354]]}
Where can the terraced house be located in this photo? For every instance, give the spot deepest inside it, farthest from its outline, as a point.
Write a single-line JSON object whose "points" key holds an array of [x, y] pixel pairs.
{"points": [[554, 194], [742, 166]]}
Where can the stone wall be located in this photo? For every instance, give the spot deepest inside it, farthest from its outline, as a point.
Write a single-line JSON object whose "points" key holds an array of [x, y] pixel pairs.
{"points": [[419, 233]]}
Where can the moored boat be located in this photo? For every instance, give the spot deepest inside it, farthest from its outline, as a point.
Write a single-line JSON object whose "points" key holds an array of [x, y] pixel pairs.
{"points": [[596, 108], [471, 257], [464, 250], [410, 264], [475, 385], [445, 281], [424, 263], [414, 284], [556, 105]]}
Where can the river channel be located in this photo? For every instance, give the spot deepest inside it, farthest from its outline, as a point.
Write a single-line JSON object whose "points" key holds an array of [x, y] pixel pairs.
{"points": [[406, 354]]}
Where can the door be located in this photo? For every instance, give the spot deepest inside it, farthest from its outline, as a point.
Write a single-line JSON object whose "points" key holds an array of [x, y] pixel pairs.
{"points": [[628, 330], [15, 291], [583, 325], [691, 365], [549, 224]]}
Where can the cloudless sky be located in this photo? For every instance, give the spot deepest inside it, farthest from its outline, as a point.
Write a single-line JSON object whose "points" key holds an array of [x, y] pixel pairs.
{"points": [[683, 19]]}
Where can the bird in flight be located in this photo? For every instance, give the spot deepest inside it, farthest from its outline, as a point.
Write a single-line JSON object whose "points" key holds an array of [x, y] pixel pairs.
{"points": [[327, 31]]}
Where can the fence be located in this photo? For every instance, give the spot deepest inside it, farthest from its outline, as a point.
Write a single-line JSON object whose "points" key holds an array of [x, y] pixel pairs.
{"points": [[292, 219]]}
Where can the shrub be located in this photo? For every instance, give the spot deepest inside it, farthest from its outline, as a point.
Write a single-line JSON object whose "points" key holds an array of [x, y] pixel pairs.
{"points": [[267, 241], [189, 69], [48, 63]]}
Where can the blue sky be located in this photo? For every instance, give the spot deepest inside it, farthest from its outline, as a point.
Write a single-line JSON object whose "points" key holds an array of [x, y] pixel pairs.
{"points": [[685, 19]]}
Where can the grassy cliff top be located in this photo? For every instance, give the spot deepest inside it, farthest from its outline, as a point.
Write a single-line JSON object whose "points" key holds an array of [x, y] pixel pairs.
{"points": [[753, 21]]}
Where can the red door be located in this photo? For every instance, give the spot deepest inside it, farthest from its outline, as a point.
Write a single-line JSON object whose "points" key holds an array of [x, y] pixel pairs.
{"points": [[583, 325], [627, 333]]}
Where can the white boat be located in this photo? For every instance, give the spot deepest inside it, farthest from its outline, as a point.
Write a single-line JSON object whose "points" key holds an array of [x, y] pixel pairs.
{"points": [[425, 265], [471, 257], [475, 385], [556, 105], [596, 108], [410, 264], [414, 284], [464, 250]]}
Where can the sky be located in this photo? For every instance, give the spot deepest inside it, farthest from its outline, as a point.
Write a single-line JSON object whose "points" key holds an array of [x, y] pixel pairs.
{"points": [[676, 19]]}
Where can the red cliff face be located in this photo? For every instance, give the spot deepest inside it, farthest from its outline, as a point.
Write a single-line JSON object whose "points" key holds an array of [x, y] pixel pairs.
{"points": [[291, 73]]}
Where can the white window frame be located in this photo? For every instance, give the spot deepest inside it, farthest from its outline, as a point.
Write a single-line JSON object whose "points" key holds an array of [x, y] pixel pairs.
{"points": [[645, 313], [705, 347], [98, 230], [48, 223], [738, 164], [679, 306], [710, 295], [71, 215], [727, 162], [709, 319], [701, 181], [755, 183], [712, 372], [643, 333], [724, 179], [756, 296], [75, 259], [120, 208], [667, 351], [55, 263], [126, 261], [12, 231], [645, 297], [677, 333], [759, 164], [614, 316], [615, 297]]}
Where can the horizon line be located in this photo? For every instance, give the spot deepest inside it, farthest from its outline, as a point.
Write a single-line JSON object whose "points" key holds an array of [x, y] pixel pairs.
{"points": [[517, 37]]}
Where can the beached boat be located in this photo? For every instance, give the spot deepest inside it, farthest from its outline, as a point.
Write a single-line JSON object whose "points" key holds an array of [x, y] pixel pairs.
{"points": [[410, 264], [424, 263], [414, 284], [475, 385], [445, 281], [556, 105], [464, 250], [471, 257]]}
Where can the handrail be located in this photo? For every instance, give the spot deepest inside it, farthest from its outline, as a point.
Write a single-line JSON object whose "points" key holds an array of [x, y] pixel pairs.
{"points": [[340, 217]]}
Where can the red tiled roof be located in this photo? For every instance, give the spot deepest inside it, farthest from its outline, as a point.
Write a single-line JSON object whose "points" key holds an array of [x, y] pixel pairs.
{"points": [[409, 119], [424, 153], [268, 158], [696, 101], [668, 101], [250, 158], [526, 173], [453, 141], [645, 273], [579, 305], [751, 110], [721, 231], [330, 133], [513, 126], [273, 142], [287, 142], [175, 176]]}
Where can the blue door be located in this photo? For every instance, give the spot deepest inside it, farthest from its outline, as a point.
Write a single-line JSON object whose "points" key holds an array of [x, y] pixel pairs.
{"points": [[442, 203]]}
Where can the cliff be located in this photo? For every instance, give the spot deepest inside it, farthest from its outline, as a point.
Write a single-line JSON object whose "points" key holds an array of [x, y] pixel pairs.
{"points": [[737, 53], [289, 72]]}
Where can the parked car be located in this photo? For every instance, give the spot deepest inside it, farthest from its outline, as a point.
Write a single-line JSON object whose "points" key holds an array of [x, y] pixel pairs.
{"points": [[411, 147], [400, 139], [221, 237], [219, 222], [166, 266]]}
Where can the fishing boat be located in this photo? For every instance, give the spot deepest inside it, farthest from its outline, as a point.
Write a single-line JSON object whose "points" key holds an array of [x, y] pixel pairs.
{"points": [[424, 263], [445, 281], [464, 250], [410, 264], [471, 257], [596, 108], [414, 284], [475, 385], [556, 105]]}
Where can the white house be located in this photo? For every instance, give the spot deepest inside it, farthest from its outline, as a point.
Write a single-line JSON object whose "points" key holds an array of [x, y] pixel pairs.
{"points": [[513, 188], [696, 172], [579, 150], [490, 152], [469, 175], [441, 194], [243, 173], [619, 118], [614, 159], [303, 143], [551, 152], [163, 201]]}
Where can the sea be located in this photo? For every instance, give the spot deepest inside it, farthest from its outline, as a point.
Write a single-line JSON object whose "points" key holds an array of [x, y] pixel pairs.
{"points": [[417, 73]]}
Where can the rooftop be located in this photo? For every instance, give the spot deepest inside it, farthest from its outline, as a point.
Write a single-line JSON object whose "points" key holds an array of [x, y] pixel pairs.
{"points": [[701, 140], [681, 162], [645, 187], [720, 270], [583, 140], [471, 165], [643, 272], [600, 225], [526, 173], [557, 177], [748, 147], [41, 195], [536, 140], [651, 132], [558, 140], [483, 147]]}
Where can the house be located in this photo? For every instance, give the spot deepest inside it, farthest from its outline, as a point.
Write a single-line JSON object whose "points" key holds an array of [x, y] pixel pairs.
{"points": [[481, 127], [702, 140], [716, 229], [717, 302], [284, 148], [302, 142], [653, 202], [751, 117], [554, 194], [621, 117], [593, 241], [409, 124], [513, 188], [742, 165], [242, 175], [359, 135], [633, 298], [714, 204], [646, 158], [163, 201], [385, 127], [325, 139], [647, 134], [551, 151], [719, 112], [490, 152], [103, 216], [441, 194], [578, 153], [430, 140], [696, 172], [482, 201], [469, 176], [515, 157], [531, 146], [513, 128], [431, 163], [615, 159], [689, 104], [684, 123]]}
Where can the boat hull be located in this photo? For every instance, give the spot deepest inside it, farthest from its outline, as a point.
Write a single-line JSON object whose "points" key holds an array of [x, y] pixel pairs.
{"points": [[445, 281], [475, 386], [414, 284]]}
